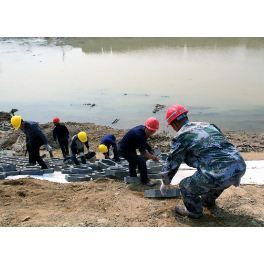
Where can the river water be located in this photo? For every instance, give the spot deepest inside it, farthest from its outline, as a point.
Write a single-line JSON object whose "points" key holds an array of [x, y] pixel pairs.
{"points": [[220, 80]]}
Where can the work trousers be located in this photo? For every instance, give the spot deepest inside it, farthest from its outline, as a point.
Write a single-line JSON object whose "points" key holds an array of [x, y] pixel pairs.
{"points": [[64, 145], [33, 151], [134, 162], [74, 159], [208, 188], [116, 155]]}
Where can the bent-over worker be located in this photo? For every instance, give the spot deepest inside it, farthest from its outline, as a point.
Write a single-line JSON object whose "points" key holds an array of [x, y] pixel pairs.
{"points": [[61, 132], [108, 147], [35, 138], [136, 138], [204, 147], [77, 147]]}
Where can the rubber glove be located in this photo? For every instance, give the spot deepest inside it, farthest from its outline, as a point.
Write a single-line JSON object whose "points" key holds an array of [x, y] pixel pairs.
{"points": [[81, 154], [164, 188], [48, 147], [110, 152]]}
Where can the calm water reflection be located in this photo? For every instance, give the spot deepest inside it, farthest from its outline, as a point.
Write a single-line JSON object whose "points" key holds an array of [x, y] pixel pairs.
{"points": [[220, 80]]}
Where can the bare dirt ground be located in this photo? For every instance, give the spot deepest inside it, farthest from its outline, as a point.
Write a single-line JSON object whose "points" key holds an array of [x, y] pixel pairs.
{"points": [[106, 202]]}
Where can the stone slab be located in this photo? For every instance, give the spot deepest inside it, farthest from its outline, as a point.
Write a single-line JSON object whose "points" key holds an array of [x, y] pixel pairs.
{"points": [[157, 194]]}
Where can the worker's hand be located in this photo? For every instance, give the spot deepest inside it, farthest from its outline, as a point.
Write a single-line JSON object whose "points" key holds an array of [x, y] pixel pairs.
{"points": [[48, 147], [155, 158], [81, 154], [164, 188], [110, 152]]}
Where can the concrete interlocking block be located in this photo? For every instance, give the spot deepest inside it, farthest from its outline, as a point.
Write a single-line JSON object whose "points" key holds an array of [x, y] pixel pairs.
{"points": [[156, 168], [9, 167], [157, 194], [163, 156], [12, 173], [157, 152], [77, 177], [94, 166], [132, 179], [2, 175], [105, 163], [96, 176], [66, 171], [46, 171], [31, 172], [149, 170], [154, 176], [81, 170]]}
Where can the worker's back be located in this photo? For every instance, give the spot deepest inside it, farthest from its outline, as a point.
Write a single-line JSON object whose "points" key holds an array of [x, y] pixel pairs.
{"points": [[206, 149]]}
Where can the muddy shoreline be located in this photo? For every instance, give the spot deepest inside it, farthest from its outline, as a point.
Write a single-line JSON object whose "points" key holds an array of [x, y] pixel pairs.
{"points": [[11, 139]]}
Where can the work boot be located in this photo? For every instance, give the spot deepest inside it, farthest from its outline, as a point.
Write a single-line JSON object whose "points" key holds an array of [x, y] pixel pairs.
{"points": [[182, 210], [44, 167], [207, 203], [150, 184]]}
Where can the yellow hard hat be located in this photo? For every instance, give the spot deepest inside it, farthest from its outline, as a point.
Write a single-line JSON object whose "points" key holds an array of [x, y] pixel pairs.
{"points": [[82, 136], [103, 148], [16, 121]]}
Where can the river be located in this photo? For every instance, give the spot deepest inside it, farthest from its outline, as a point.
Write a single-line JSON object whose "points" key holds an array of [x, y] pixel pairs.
{"points": [[220, 80]]}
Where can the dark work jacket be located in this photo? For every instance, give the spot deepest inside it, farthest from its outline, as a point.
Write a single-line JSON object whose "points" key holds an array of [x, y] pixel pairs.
{"points": [[60, 131], [32, 130], [134, 139]]}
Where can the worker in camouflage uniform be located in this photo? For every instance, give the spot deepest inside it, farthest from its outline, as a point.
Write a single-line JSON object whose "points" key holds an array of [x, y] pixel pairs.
{"points": [[202, 146]]}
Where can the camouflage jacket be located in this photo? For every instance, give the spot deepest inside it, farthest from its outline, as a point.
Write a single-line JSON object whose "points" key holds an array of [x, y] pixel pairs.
{"points": [[201, 146]]}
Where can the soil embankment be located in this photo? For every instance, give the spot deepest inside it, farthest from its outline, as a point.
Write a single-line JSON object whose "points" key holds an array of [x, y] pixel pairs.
{"points": [[105, 202]]}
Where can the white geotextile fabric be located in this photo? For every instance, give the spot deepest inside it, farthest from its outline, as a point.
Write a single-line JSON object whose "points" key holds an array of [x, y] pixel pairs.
{"points": [[254, 174]]}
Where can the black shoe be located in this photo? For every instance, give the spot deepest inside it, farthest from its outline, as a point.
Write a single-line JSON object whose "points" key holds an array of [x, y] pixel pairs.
{"points": [[207, 204], [44, 167], [150, 184], [182, 210]]}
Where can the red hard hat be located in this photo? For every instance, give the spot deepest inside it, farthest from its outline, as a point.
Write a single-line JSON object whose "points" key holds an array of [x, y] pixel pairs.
{"points": [[174, 111], [56, 119], [152, 123]]}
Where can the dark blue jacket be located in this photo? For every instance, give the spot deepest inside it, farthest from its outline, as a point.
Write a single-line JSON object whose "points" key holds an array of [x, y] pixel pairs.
{"points": [[134, 139], [78, 146], [60, 131], [109, 140], [32, 130]]}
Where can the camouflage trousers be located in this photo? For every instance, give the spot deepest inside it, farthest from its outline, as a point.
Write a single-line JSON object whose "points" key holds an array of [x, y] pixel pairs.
{"points": [[208, 188]]}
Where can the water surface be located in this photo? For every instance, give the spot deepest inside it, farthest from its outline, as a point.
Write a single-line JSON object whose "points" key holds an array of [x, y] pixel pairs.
{"points": [[220, 80]]}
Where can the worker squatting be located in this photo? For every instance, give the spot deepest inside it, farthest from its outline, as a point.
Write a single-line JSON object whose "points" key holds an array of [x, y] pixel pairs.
{"points": [[200, 145]]}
